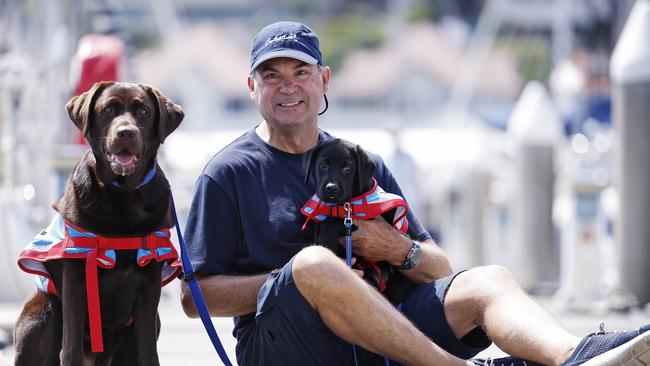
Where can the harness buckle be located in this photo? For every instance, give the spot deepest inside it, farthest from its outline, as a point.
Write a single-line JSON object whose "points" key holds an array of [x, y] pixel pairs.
{"points": [[102, 243], [149, 242]]}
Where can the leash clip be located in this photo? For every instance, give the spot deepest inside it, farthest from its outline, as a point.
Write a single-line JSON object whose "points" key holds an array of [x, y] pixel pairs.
{"points": [[347, 221]]}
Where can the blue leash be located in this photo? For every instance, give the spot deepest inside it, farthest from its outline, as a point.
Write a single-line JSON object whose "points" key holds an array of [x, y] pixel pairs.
{"points": [[347, 221], [197, 295]]}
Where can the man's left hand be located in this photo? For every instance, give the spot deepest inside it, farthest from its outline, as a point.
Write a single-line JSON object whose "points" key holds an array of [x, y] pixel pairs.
{"points": [[376, 240]]}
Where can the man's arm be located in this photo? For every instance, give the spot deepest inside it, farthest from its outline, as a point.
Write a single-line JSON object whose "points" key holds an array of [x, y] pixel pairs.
{"points": [[225, 295], [434, 264], [376, 240]]}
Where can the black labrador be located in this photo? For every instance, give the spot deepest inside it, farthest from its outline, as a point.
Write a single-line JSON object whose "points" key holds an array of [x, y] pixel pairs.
{"points": [[116, 190], [343, 170]]}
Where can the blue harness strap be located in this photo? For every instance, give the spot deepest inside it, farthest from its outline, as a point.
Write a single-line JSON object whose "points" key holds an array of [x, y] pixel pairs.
{"points": [[197, 295]]}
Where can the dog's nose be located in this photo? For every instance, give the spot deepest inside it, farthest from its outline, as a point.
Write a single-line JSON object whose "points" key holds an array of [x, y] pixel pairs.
{"points": [[126, 132], [332, 188]]}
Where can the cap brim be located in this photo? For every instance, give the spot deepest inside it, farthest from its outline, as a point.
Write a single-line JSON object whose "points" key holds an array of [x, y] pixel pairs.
{"points": [[298, 55]]}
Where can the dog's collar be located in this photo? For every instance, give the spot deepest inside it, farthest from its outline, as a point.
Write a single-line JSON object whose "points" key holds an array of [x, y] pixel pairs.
{"points": [[366, 206], [147, 178]]}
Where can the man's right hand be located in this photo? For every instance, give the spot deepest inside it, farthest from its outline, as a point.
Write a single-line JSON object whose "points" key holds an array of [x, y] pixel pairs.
{"points": [[357, 271]]}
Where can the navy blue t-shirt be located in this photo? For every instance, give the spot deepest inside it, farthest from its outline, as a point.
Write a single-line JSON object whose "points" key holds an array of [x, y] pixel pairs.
{"points": [[245, 216]]}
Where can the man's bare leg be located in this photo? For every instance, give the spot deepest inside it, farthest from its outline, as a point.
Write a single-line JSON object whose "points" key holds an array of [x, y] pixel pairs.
{"points": [[490, 298], [359, 314]]}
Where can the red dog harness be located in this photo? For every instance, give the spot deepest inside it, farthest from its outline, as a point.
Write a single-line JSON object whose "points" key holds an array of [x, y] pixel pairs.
{"points": [[63, 239], [366, 206]]}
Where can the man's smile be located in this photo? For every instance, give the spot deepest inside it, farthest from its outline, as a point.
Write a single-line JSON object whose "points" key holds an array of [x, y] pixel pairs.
{"points": [[289, 104]]}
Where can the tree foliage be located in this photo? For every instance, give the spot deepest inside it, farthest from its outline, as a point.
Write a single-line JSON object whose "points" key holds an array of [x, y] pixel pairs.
{"points": [[348, 32]]}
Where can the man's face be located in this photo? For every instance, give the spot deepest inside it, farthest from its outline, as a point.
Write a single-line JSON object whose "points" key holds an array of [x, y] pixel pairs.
{"points": [[288, 92]]}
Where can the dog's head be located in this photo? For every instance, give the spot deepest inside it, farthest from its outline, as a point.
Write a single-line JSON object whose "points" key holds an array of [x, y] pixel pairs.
{"points": [[341, 169], [124, 124]]}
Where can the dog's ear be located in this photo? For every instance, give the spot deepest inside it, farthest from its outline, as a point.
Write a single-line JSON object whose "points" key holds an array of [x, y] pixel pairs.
{"points": [[308, 161], [169, 115], [365, 168], [80, 107]]}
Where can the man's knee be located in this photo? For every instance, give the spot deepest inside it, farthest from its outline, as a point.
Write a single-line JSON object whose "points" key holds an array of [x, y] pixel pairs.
{"points": [[318, 274], [315, 263], [492, 274], [486, 280]]}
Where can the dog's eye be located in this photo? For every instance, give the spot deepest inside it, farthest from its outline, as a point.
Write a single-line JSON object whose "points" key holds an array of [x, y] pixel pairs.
{"points": [[324, 165], [347, 169], [142, 111], [108, 110]]}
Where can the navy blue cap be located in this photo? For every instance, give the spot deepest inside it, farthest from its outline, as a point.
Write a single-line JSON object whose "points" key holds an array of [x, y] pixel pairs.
{"points": [[286, 39]]}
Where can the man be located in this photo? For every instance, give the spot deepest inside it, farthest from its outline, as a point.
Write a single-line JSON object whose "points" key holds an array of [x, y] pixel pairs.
{"points": [[298, 304]]}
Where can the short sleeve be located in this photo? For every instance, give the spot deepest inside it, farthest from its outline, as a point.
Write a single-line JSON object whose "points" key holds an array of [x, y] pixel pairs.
{"points": [[211, 230]]}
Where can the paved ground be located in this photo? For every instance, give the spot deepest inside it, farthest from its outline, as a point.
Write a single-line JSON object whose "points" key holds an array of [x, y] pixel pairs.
{"points": [[184, 342]]}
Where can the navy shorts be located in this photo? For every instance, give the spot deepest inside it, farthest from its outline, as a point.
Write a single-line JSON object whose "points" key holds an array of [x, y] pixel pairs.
{"points": [[287, 331]]}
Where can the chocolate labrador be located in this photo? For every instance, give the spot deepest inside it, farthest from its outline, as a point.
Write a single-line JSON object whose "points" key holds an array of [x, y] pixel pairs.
{"points": [[343, 172], [114, 214]]}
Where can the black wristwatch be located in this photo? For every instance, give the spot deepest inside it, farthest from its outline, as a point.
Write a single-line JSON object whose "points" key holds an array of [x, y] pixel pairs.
{"points": [[413, 257]]}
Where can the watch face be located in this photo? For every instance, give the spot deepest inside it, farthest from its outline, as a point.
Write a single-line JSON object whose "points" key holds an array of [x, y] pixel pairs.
{"points": [[416, 255], [413, 257]]}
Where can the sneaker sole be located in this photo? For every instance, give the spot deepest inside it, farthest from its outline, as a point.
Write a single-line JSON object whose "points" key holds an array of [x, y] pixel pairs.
{"points": [[635, 352]]}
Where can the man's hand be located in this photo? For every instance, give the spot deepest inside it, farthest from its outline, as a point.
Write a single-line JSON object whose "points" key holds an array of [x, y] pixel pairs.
{"points": [[376, 240], [358, 272]]}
